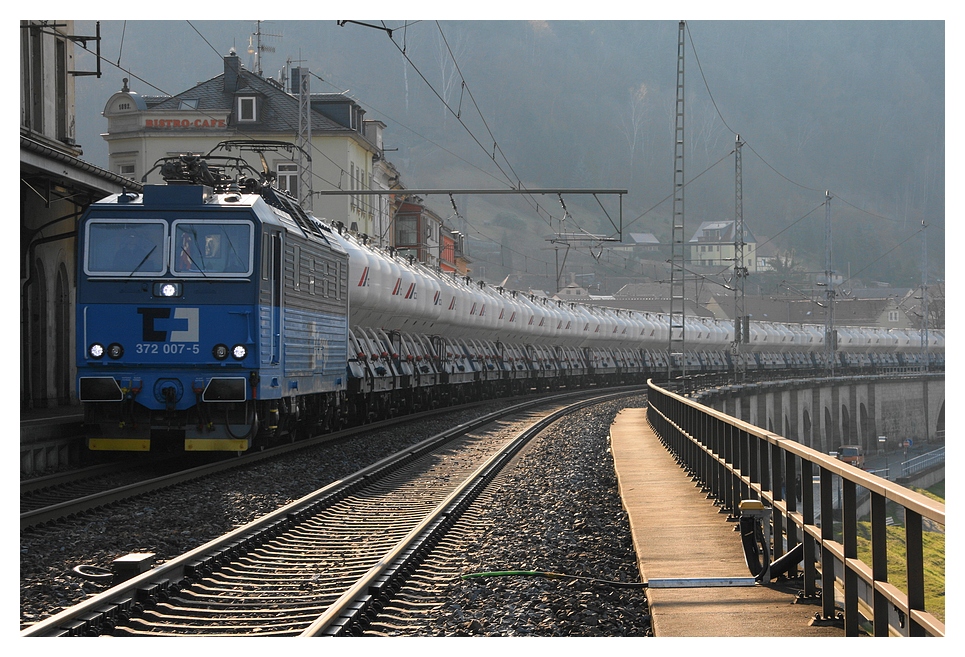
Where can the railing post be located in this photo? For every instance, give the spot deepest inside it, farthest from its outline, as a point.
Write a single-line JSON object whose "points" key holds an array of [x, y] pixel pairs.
{"points": [[704, 455], [778, 488], [754, 459], [915, 562], [827, 535], [792, 484], [807, 498], [879, 561], [731, 492], [849, 528], [734, 461], [716, 471]]}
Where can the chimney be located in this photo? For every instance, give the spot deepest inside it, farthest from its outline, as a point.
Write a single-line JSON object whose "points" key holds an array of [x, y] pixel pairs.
{"points": [[232, 68]]}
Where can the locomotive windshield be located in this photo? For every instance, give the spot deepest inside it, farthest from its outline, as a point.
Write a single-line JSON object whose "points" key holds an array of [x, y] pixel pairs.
{"points": [[125, 248], [118, 248], [203, 249]]}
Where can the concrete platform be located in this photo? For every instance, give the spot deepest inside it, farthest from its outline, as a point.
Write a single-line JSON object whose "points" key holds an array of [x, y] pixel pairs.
{"points": [[50, 437], [679, 533], [50, 423]]}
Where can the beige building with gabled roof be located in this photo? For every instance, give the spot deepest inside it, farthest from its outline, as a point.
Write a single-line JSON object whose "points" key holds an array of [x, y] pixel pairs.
{"points": [[238, 104]]}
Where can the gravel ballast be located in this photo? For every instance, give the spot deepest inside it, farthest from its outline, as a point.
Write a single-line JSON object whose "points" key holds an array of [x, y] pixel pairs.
{"points": [[558, 511]]}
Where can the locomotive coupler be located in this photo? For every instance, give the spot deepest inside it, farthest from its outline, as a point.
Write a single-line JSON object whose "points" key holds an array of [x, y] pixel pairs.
{"points": [[170, 397]]}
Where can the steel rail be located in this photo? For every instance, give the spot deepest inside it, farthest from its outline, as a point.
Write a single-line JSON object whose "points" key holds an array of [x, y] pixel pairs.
{"points": [[28, 486], [59, 511], [347, 613], [106, 609]]}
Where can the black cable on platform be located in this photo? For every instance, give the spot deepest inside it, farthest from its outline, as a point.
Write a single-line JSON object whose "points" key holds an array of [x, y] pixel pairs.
{"points": [[552, 575]]}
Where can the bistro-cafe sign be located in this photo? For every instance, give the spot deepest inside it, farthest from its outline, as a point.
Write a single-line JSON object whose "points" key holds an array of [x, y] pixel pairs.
{"points": [[191, 123]]}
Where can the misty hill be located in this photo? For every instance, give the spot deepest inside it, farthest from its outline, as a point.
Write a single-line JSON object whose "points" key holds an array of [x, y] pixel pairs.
{"points": [[856, 108]]}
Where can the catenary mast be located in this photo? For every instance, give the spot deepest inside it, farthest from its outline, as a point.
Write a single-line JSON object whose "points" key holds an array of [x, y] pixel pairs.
{"points": [[675, 354]]}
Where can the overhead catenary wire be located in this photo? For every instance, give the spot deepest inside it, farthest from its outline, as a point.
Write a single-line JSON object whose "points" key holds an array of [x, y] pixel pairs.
{"points": [[513, 180], [134, 76], [759, 156], [508, 171], [342, 173]]}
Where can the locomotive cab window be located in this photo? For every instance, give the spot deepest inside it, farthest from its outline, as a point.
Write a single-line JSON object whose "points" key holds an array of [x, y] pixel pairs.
{"points": [[206, 249], [121, 248]]}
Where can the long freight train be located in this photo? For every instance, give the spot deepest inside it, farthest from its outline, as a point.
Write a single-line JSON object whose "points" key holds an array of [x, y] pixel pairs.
{"points": [[213, 313]]}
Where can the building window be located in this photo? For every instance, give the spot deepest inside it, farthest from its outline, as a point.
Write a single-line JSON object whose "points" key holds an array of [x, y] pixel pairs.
{"points": [[367, 200], [127, 170], [247, 109], [406, 231], [60, 76], [287, 176], [188, 104], [893, 316], [351, 184]]}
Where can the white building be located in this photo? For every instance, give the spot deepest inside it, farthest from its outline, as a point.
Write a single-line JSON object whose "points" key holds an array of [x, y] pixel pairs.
{"points": [[241, 105]]}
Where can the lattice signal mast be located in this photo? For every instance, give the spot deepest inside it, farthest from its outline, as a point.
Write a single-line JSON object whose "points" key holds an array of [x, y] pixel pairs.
{"points": [[924, 298], [677, 345], [830, 334], [741, 325], [304, 141]]}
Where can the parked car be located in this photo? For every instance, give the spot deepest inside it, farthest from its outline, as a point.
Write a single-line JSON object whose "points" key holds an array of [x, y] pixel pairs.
{"points": [[852, 454]]}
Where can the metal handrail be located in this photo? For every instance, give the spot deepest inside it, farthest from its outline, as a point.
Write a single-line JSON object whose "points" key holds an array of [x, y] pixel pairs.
{"points": [[923, 462], [735, 461]]}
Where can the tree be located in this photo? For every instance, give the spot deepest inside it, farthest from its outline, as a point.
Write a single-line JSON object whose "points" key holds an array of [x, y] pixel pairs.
{"points": [[632, 122]]}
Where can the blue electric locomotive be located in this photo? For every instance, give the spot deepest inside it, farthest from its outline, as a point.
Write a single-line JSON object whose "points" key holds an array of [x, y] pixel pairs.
{"points": [[210, 311]]}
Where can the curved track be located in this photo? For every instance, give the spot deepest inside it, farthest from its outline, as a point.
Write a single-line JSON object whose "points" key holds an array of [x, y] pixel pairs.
{"points": [[323, 565], [57, 497]]}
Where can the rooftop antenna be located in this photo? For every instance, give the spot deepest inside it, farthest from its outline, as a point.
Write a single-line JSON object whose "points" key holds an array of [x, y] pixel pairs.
{"points": [[257, 47]]}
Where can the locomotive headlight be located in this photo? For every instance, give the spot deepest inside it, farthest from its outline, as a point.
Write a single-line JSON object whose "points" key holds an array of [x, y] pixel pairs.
{"points": [[167, 289], [239, 352], [96, 350], [220, 351], [115, 351]]}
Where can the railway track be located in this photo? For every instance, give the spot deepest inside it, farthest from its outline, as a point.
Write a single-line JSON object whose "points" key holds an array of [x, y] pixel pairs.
{"points": [[48, 498], [323, 565], [53, 498]]}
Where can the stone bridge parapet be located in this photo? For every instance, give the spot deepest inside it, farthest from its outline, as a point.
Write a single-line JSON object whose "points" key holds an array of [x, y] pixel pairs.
{"points": [[826, 413]]}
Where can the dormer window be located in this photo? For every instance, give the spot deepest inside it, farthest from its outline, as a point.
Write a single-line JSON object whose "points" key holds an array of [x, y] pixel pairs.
{"points": [[247, 109]]}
